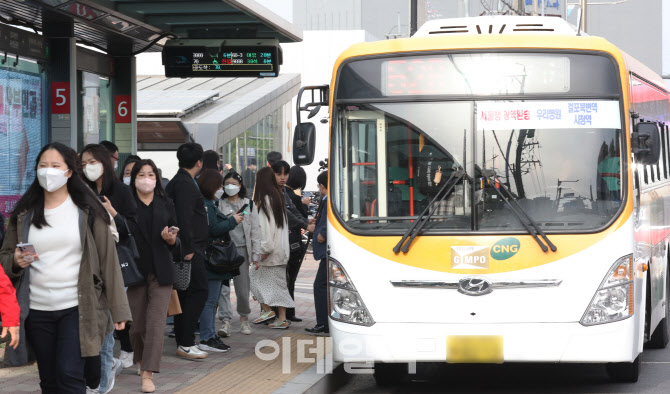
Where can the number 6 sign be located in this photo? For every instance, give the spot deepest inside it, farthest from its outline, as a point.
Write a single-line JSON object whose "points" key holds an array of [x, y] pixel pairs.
{"points": [[122, 109]]}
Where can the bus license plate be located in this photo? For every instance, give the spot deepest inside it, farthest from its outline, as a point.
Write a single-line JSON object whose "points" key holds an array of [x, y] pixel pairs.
{"points": [[475, 349]]}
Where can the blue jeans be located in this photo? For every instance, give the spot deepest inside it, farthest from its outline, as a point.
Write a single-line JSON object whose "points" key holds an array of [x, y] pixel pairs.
{"points": [[208, 315], [106, 361]]}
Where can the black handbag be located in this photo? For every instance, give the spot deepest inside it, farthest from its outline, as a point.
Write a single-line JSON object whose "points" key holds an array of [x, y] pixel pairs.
{"points": [[182, 272], [222, 256], [128, 254]]}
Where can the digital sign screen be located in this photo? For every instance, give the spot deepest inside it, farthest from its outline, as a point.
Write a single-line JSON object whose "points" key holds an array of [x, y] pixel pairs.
{"points": [[222, 61], [482, 74]]}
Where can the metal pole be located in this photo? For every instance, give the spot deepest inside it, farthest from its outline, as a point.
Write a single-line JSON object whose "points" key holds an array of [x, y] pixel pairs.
{"points": [[413, 15], [582, 4], [542, 1], [535, 7]]}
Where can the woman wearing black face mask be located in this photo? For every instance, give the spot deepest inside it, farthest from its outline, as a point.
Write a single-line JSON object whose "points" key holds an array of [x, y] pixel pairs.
{"points": [[64, 302], [156, 236]]}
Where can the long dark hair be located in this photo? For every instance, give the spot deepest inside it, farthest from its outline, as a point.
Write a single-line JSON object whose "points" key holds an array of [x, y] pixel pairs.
{"points": [[81, 194], [237, 177], [137, 167], [266, 186], [102, 155]]}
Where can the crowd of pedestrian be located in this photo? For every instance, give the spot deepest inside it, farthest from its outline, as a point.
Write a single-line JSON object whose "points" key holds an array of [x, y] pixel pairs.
{"points": [[90, 257]]}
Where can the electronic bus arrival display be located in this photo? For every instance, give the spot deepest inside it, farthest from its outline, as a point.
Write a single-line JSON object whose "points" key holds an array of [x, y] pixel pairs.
{"points": [[222, 58]]}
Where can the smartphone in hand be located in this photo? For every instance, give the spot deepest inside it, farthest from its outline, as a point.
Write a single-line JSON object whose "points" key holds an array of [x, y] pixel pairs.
{"points": [[174, 229], [242, 210], [27, 247]]}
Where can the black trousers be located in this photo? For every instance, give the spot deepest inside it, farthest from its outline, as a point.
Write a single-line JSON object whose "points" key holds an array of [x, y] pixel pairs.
{"points": [[321, 293], [54, 335], [292, 270], [192, 302], [124, 338]]}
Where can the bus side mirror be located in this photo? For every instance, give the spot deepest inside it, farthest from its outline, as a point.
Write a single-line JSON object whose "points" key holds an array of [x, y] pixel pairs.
{"points": [[646, 143], [304, 142]]}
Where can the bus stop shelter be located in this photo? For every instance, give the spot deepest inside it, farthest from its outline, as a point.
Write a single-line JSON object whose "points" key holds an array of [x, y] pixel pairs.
{"points": [[68, 68]]}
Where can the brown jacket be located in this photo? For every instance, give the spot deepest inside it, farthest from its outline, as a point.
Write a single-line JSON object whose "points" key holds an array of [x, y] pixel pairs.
{"points": [[100, 285]]}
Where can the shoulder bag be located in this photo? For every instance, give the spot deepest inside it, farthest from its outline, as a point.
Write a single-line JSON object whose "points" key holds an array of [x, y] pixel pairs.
{"points": [[128, 255], [222, 256], [182, 272]]}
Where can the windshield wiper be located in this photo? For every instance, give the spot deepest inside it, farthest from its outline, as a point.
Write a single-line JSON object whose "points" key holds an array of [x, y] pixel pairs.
{"points": [[520, 214], [422, 219]]}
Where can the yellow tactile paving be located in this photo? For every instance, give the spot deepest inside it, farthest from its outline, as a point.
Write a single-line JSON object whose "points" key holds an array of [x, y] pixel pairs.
{"points": [[254, 375]]}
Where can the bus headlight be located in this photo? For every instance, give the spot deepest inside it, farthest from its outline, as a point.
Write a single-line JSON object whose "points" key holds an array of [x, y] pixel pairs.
{"points": [[614, 299], [345, 305]]}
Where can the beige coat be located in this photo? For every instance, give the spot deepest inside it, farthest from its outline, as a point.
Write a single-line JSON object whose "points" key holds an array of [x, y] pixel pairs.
{"points": [[100, 284], [274, 241]]}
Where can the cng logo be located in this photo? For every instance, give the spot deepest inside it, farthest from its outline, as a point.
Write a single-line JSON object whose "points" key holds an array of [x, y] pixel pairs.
{"points": [[505, 248]]}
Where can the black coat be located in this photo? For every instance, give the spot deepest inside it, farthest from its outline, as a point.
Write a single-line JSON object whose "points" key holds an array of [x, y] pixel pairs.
{"points": [[189, 205], [123, 202], [163, 215]]}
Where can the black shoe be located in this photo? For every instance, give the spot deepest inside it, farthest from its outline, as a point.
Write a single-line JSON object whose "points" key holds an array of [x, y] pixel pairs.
{"points": [[171, 334], [318, 329], [213, 344], [294, 319]]}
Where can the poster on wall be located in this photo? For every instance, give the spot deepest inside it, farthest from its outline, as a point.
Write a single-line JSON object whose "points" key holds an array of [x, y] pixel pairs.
{"points": [[20, 134]]}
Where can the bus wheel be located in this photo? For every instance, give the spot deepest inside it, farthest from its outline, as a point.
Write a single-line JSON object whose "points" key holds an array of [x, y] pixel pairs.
{"points": [[659, 339], [624, 372], [387, 375]]}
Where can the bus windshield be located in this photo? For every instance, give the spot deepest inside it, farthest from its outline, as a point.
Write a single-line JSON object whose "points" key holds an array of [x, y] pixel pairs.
{"points": [[561, 160]]}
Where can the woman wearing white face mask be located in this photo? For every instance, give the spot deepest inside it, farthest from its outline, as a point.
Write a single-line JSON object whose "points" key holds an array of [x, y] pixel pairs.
{"points": [[247, 238], [71, 289], [116, 197], [210, 182], [156, 234]]}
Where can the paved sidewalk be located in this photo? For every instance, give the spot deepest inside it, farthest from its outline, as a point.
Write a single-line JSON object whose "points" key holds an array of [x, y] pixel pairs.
{"points": [[233, 366]]}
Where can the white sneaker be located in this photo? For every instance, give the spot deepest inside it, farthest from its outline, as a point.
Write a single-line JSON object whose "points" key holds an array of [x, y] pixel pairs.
{"points": [[224, 331], [191, 353], [92, 391], [126, 359], [116, 371], [245, 328]]}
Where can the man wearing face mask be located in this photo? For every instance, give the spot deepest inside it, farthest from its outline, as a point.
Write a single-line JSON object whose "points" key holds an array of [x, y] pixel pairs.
{"points": [[113, 153]]}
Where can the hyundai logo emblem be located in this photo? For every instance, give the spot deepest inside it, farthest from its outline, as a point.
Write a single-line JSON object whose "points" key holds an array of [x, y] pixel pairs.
{"points": [[474, 286]]}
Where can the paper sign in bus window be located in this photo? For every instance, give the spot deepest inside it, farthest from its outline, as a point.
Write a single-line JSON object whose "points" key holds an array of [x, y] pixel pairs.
{"points": [[469, 257]]}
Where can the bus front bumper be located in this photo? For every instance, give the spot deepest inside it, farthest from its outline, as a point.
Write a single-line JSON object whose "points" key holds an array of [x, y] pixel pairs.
{"points": [[527, 342]]}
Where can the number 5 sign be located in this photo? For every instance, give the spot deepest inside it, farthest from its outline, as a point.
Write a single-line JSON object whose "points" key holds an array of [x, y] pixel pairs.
{"points": [[60, 97], [122, 109]]}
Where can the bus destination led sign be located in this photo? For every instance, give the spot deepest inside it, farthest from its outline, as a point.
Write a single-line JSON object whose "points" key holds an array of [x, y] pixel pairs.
{"points": [[204, 58]]}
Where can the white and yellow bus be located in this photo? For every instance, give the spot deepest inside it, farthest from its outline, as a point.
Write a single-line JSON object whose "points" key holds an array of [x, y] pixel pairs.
{"points": [[497, 194]]}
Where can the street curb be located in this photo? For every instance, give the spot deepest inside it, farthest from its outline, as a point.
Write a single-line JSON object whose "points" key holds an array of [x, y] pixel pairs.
{"points": [[311, 382]]}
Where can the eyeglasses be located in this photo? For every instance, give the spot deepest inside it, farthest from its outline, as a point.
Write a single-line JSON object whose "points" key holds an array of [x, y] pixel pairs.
{"points": [[115, 157]]}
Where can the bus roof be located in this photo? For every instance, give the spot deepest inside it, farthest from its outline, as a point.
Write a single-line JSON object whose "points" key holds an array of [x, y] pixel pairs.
{"points": [[557, 39]]}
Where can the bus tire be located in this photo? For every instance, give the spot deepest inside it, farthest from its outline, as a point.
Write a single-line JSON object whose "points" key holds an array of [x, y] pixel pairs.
{"points": [[387, 374], [660, 338], [624, 372]]}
